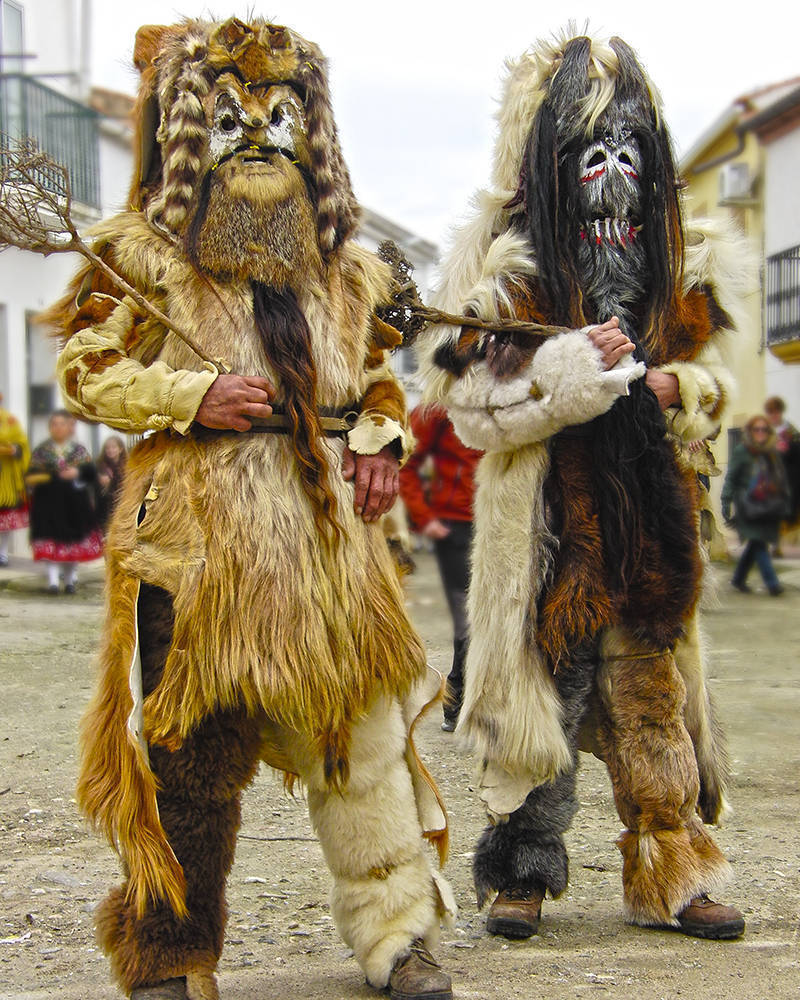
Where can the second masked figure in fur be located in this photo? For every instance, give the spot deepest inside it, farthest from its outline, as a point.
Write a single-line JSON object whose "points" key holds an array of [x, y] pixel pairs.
{"points": [[586, 563]]}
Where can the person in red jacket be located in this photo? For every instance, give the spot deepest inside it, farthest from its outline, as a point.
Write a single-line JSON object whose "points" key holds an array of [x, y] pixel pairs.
{"points": [[442, 512]]}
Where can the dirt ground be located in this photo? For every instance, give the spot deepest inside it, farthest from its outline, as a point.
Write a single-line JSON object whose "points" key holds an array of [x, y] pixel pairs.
{"points": [[281, 942]]}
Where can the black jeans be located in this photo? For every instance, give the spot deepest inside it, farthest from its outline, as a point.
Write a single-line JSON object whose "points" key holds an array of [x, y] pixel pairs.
{"points": [[452, 554]]}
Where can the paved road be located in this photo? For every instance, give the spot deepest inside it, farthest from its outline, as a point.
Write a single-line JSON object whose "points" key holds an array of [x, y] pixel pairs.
{"points": [[280, 941]]}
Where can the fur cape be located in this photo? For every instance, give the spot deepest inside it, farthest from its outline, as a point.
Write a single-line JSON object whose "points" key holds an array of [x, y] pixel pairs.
{"points": [[512, 713]]}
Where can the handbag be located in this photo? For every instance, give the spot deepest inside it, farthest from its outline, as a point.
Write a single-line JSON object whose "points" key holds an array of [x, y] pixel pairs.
{"points": [[765, 498]]}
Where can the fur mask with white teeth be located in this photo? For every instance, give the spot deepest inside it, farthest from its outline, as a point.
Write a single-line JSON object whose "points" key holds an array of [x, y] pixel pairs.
{"points": [[605, 224]]}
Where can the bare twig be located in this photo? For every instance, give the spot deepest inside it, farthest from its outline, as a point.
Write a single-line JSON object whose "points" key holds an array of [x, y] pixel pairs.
{"points": [[496, 325], [36, 215], [410, 315]]}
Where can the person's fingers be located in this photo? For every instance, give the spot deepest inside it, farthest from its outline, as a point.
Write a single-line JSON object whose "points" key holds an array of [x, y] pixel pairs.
{"points": [[255, 410], [610, 324], [613, 356], [348, 464], [362, 484], [258, 382], [374, 501]]}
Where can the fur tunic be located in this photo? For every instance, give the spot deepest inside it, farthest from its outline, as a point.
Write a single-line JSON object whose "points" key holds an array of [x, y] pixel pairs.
{"points": [[265, 614]]}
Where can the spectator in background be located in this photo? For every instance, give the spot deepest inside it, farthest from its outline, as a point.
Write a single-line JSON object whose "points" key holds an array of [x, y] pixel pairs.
{"points": [[64, 529], [110, 468], [14, 458], [756, 493], [442, 511], [788, 444]]}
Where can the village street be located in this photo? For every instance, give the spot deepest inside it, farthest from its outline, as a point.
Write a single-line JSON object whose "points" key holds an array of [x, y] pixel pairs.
{"points": [[280, 941]]}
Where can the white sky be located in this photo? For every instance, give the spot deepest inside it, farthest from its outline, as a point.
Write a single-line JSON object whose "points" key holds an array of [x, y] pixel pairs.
{"points": [[415, 83]]}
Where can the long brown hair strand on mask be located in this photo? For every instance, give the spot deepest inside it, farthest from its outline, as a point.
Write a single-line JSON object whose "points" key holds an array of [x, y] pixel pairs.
{"points": [[287, 343]]}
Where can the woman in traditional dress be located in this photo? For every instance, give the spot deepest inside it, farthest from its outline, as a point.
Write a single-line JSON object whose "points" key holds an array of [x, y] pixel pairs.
{"points": [[14, 458], [64, 528]]}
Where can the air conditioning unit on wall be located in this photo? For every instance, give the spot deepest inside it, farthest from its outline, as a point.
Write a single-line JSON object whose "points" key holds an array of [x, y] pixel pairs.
{"points": [[735, 183]]}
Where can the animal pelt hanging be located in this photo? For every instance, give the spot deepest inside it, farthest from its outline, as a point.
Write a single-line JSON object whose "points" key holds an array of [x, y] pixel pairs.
{"points": [[582, 223], [282, 599]]}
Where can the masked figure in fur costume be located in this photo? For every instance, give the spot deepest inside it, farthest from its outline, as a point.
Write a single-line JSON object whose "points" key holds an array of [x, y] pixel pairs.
{"points": [[586, 564], [247, 574]]}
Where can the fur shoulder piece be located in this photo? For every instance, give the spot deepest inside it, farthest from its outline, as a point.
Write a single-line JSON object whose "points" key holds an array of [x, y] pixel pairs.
{"points": [[140, 254], [717, 255], [367, 275]]}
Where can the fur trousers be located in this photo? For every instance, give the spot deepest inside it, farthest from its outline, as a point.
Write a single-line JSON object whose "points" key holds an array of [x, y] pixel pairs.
{"points": [[638, 706], [384, 892]]}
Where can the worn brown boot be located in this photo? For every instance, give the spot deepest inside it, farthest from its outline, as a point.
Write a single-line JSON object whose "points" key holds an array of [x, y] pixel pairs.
{"points": [[516, 913], [170, 989], [416, 976], [704, 918]]}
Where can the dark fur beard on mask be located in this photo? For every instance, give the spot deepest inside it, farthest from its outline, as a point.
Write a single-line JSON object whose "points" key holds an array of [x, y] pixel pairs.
{"points": [[272, 240], [612, 278], [635, 475]]}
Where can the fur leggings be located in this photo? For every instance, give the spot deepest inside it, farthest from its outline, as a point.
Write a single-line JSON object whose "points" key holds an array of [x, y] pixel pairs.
{"points": [[668, 857], [384, 895]]}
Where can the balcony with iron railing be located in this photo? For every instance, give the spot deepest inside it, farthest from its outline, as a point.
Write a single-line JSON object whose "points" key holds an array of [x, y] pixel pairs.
{"points": [[782, 304], [64, 129]]}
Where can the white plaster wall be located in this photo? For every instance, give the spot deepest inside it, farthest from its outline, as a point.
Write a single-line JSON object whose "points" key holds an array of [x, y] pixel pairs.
{"points": [[52, 34], [782, 194], [781, 232]]}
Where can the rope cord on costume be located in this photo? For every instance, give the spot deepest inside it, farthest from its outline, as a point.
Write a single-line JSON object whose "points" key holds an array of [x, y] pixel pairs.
{"points": [[640, 656]]}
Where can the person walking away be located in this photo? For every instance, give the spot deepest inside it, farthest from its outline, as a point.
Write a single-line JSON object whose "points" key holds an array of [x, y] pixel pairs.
{"points": [[64, 528], [755, 498], [443, 513], [14, 457]]}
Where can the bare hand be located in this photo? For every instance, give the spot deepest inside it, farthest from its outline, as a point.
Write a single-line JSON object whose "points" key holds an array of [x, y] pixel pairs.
{"points": [[232, 399], [666, 387], [69, 473], [612, 343], [377, 481], [436, 530]]}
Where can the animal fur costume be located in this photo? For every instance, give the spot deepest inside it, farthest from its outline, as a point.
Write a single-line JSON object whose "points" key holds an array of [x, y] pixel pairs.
{"points": [[266, 615], [586, 563]]}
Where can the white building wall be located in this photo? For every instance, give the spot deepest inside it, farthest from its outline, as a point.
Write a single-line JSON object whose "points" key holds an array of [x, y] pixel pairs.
{"points": [[782, 232], [52, 34]]}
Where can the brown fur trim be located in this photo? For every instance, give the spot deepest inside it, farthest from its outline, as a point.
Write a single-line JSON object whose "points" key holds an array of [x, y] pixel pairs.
{"points": [[662, 870], [116, 787], [385, 398], [577, 604], [698, 317], [384, 336], [667, 856]]}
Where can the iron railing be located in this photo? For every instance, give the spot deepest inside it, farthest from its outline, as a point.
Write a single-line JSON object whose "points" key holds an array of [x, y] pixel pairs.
{"points": [[64, 129], [783, 296]]}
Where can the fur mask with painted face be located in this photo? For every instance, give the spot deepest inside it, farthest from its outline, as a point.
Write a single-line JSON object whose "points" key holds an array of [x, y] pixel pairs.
{"points": [[255, 216], [239, 158]]}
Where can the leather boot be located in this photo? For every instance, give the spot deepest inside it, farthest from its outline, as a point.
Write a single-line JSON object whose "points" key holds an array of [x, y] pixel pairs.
{"points": [[516, 913], [416, 976], [170, 989], [704, 918]]}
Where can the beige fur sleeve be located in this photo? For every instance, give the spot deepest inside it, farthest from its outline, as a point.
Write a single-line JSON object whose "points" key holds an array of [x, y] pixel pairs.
{"points": [[706, 387], [102, 383]]}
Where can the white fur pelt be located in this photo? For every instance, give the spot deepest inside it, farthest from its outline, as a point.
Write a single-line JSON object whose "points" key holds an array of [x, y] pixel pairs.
{"points": [[511, 712], [384, 893]]}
